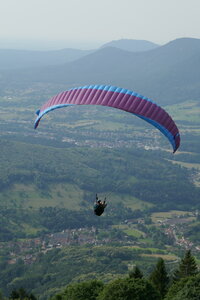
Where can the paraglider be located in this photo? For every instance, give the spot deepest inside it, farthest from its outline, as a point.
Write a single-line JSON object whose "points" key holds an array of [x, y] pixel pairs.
{"points": [[119, 98], [99, 206]]}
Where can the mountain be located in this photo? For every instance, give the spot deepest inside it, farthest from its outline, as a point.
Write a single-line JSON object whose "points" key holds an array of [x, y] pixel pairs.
{"points": [[18, 59], [131, 45], [168, 74], [14, 59]]}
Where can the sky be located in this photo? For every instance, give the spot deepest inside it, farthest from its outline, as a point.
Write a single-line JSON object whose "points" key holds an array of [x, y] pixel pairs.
{"points": [[88, 24]]}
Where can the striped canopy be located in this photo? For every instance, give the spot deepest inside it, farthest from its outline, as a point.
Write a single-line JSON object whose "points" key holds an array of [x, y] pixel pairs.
{"points": [[119, 98]]}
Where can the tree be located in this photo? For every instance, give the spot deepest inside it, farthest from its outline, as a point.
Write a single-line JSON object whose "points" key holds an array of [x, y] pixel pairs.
{"points": [[159, 277], [135, 273], [184, 289], [81, 291], [187, 267], [1, 295], [129, 289], [21, 294]]}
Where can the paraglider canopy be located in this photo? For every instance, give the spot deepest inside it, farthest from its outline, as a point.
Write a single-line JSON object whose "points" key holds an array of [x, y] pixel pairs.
{"points": [[119, 98]]}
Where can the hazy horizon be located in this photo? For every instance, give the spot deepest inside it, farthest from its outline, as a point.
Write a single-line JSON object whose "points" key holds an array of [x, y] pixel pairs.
{"points": [[49, 45], [50, 24]]}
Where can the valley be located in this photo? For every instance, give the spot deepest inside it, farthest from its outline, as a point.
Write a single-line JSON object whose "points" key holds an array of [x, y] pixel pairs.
{"points": [[49, 177]]}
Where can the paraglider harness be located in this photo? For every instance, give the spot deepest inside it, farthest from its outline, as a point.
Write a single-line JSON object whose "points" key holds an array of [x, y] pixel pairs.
{"points": [[99, 206]]}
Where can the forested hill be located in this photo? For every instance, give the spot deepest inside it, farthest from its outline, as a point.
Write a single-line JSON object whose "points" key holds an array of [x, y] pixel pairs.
{"points": [[159, 73], [136, 173]]}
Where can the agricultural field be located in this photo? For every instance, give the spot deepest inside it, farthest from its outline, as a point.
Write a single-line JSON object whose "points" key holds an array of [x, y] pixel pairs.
{"points": [[188, 111]]}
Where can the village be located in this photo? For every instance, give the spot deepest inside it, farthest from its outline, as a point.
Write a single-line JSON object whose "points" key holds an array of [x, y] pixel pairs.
{"points": [[28, 249]]}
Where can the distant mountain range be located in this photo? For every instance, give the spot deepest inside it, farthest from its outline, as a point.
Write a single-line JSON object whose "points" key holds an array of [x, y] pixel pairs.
{"points": [[131, 45], [168, 73], [14, 59], [18, 59]]}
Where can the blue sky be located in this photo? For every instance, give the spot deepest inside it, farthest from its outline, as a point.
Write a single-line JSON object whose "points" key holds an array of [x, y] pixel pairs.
{"points": [[91, 23]]}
